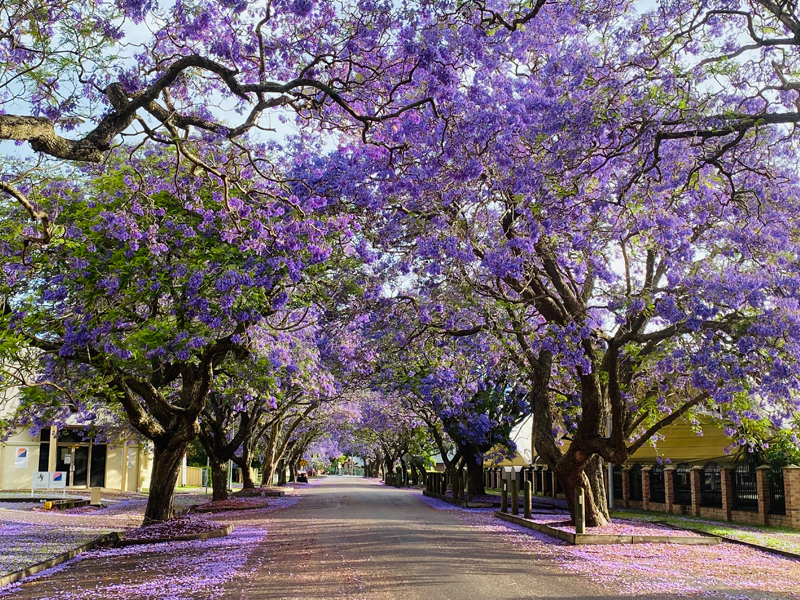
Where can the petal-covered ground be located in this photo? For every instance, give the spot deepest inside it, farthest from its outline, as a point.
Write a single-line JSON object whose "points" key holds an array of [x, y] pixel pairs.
{"points": [[645, 569], [772, 537], [29, 534], [23, 544], [167, 571]]}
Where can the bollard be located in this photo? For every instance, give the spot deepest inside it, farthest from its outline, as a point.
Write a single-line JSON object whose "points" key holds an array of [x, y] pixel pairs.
{"points": [[528, 501], [514, 496], [580, 511], [504, 497]]}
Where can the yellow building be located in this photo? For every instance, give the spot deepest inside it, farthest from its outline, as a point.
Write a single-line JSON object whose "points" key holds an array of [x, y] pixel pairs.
{"points": [[122, 465]]}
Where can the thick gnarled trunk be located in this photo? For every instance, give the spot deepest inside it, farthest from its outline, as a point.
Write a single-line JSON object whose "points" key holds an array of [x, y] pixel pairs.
{"points": [[167, 461], [219, 480]]}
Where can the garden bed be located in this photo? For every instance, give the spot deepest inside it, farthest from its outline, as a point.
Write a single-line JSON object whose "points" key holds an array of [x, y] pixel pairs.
{"points": [[231, 504], [616, 533], [176, 530], [260, 493]]}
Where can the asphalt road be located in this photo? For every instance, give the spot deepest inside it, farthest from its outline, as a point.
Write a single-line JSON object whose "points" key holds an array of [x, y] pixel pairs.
{"points": [[350, 538]]}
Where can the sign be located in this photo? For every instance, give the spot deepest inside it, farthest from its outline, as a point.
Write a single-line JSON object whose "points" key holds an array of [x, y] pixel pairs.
{"points": [[21, 461], [67, 459], [41, 480], [58, 479]]}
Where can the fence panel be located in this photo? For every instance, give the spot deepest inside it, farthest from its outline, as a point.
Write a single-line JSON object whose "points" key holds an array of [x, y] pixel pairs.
{"points": [[635, 481], [682, 485], [777, 493], [658, 492], [745, 490]]}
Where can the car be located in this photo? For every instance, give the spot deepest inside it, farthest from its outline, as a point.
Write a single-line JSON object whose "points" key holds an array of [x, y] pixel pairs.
{"points": [[302, 477]]}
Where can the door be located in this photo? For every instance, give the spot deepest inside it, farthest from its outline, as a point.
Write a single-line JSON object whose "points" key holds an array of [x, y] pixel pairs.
{"points": [[80, 461], [97, 476]]}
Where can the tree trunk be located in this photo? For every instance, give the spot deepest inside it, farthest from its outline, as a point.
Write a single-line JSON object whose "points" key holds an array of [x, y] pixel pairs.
{"points": [[167, 462], [248, 483], [244, 462], [219, 480], [268, 474], [281, 472], [591, 479], [476, 482], [293, 471]]}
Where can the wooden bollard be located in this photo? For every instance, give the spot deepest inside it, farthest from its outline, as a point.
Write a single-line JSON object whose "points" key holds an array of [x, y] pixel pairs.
{"points": [[514, 496], [580, 511], [528, 507], [504, 497]]}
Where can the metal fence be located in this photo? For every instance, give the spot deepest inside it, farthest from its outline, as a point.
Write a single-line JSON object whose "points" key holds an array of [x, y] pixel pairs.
{"points": [[635, 482], [745, 490], [682, 483], [617, 482], [777, 493], [711, 493], [658, 492]]}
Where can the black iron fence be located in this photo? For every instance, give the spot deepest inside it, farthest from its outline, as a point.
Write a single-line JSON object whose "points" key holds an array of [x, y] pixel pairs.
{"points": [[635, 482], [617, 482], [682, 483], [711, 478], [658, 492], [777, 493], [745, 490]]}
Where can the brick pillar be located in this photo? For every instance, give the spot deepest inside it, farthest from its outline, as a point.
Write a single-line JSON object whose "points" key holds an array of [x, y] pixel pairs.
{"points": [[791, 486], [626, 486], [669, 487], [696, 479], [762, 487], [727, 492], [646, 487]]}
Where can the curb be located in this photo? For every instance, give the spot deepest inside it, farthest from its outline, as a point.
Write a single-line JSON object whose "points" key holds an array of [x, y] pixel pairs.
{"points": [[207, 535], [597, 539], [108, 539]]}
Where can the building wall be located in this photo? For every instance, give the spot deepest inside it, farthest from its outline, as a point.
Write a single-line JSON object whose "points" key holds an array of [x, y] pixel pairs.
{"points": [[13, 478], [126, 468]]}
